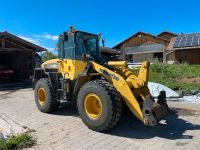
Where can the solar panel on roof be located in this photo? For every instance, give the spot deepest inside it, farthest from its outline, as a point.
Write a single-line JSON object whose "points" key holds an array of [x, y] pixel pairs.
{"points": [[176, 45], [178, 38], [188, 44], [182, 44], [187, 40], [195, 44]]}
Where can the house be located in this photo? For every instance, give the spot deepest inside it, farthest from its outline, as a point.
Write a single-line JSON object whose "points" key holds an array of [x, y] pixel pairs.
{"points": [[166, 35], [17, 57], [184, 48], [144, 46]]}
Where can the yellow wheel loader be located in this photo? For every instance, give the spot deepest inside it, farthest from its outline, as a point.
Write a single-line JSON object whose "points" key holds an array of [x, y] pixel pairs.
{"points": [[99, 87]]}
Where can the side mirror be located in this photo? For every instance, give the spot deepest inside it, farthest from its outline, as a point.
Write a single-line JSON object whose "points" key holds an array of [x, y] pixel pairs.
{"points": [[99, 35], [65, 36], [85, 56]]}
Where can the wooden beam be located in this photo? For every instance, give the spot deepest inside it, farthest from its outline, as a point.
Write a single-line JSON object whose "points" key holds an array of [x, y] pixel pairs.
{"points": [[15, 50], [184, 48], [2, 43], [36, 47], [13, 43]]}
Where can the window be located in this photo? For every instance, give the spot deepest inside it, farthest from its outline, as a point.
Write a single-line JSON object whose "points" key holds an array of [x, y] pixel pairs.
{"points": [[60, 47], [91, 45], [86, 43], [80, 46], [69, 47]]}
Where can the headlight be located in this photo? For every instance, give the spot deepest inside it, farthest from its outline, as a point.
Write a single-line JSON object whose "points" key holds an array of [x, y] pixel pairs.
{"points": [[50, 66]]}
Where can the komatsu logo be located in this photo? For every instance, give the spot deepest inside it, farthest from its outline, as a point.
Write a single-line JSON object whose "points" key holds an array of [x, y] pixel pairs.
{"points": [[109, 74]]}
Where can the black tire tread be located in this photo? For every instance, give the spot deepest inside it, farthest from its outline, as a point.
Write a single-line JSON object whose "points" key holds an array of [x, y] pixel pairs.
{"points": [[53, 104], [116, 104]]}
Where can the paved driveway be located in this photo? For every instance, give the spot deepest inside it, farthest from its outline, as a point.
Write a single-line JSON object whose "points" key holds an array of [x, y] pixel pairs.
{"points": [[65, 130]]}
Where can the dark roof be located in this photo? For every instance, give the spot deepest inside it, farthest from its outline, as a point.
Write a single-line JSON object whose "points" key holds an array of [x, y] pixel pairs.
{"points": [[136, 35], [21, 41], [185, 41], [163, 32]]}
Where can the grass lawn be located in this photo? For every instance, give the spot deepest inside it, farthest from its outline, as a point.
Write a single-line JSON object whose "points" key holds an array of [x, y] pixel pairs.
{"points": [[179, 77]]}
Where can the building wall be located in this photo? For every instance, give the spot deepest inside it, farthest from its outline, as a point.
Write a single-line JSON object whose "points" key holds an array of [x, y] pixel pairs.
{"points": [[20, 62], [18, 55], [170, 58], [137, 40], [143, 57], [146, 57], [191, 56]]}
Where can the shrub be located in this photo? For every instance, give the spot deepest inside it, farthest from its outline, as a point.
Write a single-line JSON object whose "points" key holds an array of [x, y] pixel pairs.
{"points": [[17, 142]]}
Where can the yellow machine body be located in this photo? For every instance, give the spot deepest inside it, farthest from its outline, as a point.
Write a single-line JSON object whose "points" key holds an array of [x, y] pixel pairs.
{"points": [[123, 79], [95, 83], [69, 68]]}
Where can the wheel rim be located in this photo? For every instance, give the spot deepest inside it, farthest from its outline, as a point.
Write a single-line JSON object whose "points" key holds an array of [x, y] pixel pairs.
{"points": [[41, 96], [93, 106]]}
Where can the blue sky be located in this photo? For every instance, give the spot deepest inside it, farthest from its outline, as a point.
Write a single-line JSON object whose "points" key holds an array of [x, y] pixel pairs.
{"points": [[41, 21]]}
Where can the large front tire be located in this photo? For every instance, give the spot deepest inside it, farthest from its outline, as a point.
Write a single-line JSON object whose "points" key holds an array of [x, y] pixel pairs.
{"points": [[44, 97], [99, 105]]}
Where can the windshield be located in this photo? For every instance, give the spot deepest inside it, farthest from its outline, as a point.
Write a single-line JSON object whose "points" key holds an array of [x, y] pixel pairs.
{"points": [[86, 43]]}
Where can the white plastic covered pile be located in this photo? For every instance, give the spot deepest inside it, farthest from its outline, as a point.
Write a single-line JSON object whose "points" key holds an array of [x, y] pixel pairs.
{"points": [[155, 89], [192, 98]]}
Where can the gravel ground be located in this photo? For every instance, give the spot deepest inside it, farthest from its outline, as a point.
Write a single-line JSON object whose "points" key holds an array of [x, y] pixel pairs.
{"points": [[65, 130]]}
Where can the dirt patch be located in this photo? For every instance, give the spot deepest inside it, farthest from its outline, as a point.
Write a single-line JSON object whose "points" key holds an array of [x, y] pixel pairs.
{"points": [[5, 96], [195, 80], [187, 112], [181, 143]]}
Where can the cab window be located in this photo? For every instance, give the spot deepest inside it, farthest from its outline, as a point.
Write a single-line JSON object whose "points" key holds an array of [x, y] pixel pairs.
{"points": [[80, 46], [86, 43], [69, 47]]}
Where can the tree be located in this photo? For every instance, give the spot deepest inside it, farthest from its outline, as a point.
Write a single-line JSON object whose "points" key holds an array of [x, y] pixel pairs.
{"points": [[47, 56]]}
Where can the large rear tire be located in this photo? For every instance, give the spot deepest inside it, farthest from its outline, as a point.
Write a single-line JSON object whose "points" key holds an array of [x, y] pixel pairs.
{"points": [[44, 97], [99, 105]]}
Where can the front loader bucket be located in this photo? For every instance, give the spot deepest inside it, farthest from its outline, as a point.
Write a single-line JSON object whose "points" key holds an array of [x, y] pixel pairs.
{"points": [[153, 112]]}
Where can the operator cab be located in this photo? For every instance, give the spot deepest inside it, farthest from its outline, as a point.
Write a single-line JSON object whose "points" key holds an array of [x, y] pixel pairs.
{"points": [[78, 45]]}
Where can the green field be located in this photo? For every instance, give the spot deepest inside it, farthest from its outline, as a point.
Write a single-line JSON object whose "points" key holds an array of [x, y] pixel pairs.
{"points": [[179, 77]]}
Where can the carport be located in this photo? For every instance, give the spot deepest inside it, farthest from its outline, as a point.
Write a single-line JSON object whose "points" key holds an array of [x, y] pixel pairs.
{"points": [[17, 57]]}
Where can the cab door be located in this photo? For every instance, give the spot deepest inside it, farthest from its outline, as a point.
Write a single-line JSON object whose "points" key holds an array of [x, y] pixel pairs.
{"points": [[72, 64]]}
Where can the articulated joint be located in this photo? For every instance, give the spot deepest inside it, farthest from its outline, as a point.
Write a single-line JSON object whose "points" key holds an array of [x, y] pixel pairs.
{"points": [[135, 82], [132, 80]]}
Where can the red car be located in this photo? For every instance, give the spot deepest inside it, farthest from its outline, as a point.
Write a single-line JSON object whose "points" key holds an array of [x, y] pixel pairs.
{"points": [[5, 73]]}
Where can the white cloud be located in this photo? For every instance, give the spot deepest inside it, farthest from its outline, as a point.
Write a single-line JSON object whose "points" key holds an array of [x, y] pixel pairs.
{"points": [[47, 36], [50, 48], [41, 39], [51, 37], [32, 40]]}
